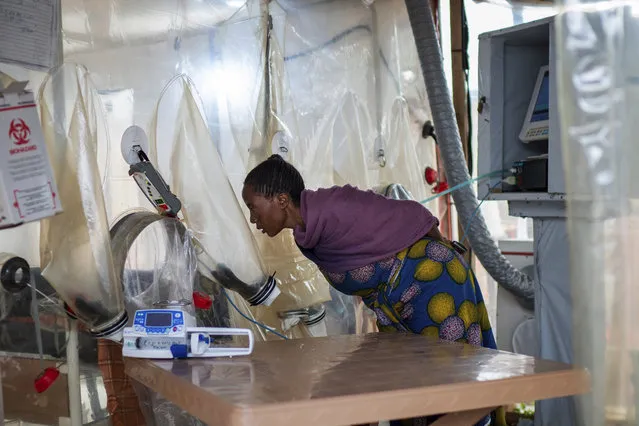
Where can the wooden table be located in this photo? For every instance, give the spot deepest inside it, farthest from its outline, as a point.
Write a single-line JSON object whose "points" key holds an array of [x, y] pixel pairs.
{"points": [[355, 379]]}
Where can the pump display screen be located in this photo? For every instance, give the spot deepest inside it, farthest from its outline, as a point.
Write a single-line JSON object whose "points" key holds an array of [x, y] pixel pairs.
{"points": [[540, 113], [158, 319]]}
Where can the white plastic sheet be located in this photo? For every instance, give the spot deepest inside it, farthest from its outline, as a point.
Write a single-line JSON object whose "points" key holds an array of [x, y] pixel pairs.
{"points": [[598, 75], [331, 90], [75, 248], [196, 175]]}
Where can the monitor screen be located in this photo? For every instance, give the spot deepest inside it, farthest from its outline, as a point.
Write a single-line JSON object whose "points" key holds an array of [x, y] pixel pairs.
{"points": [[158, 319], [540, 113]]}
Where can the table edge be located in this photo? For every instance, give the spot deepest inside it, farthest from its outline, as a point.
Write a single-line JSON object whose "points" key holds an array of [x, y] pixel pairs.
{"points": [[367, 407], [440, 399]]}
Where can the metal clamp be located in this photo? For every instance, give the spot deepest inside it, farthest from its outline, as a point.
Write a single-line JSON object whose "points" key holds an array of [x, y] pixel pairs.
{"points": [[381, 157], [459, 247]]}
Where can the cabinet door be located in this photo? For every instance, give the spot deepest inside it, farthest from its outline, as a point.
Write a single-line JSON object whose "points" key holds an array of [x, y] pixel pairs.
{"points": [[490, 104], [556, 178]]}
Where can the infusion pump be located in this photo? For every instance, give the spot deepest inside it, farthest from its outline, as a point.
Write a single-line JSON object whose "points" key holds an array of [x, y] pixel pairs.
{"points": [[172, 333]]}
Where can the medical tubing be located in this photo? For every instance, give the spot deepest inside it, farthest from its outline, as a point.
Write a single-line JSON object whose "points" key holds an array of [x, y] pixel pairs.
{"points": [[463, 184], [246, 317], [465, 234], [451, 150]]}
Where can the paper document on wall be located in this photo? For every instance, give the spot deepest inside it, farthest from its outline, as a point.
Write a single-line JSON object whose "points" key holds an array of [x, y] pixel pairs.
{"points": [[28, 191], [30, 33]]}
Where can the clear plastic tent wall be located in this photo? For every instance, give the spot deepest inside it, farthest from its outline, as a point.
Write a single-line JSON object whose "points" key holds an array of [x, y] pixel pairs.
{"points": [[75, 249], [598, 77], [155, 259], [342, 95], [340, 88]]}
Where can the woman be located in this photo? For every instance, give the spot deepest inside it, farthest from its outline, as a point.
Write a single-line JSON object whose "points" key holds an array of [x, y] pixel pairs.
{"points": [[389, 252]]}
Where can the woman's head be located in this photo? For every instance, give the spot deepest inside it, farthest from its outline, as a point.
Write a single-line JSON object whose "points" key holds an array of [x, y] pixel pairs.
{"points": [[272, 192]]}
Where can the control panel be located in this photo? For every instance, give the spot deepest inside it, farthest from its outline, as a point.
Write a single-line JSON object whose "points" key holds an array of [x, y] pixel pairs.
{"points": [[170, 322]]}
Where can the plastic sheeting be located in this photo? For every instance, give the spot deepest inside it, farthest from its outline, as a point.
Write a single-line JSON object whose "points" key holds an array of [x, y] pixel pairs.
{"points": [[75, 249], [330, 94], [404, 103], [324, 91], [20, 364], [514, 4], [213, 215], [403, 160], [98, 25], [312, 66], [155, 258], [277, 131], [130, 62], [327, 77], [598, 75]]}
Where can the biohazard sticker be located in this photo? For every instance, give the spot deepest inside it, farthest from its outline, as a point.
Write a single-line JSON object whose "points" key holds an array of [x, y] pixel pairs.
{"points": [[27, 188]]}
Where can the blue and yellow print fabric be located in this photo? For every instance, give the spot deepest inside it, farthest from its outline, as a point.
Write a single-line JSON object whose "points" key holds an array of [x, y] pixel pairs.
{"points": [[427, 288]]}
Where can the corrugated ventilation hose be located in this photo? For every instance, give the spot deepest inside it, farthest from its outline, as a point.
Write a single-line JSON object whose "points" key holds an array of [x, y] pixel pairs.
{"points": [[450, 145]]}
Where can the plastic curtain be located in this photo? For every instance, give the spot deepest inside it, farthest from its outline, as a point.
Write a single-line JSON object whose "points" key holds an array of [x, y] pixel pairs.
{"points": [[597, 78], [75, 249]]}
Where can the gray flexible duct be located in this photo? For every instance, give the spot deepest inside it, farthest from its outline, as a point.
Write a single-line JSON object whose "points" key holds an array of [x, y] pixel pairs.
{"points": [[450, 146]]}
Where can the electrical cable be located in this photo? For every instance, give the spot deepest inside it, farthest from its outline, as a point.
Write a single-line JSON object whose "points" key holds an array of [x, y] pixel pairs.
{"points": [[259, 324], [466, 229], [463, 184]]}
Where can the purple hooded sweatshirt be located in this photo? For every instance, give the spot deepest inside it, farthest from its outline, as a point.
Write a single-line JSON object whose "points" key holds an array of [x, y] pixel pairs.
{"points": [[346, 228]]}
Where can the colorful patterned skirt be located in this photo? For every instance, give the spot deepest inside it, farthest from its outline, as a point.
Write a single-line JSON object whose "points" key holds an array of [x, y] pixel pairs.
{"points": [[425, 289]]}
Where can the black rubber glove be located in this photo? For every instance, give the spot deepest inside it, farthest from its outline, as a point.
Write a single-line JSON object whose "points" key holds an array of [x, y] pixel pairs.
{"points": [[255, 293], [227, 278]]}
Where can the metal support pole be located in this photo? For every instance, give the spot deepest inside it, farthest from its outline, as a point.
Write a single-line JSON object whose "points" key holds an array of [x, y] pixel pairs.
{"points": [[73, 375]]}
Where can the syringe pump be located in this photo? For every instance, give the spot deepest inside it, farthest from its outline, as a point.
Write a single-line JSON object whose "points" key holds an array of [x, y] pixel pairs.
{"points": [[170, 332]]}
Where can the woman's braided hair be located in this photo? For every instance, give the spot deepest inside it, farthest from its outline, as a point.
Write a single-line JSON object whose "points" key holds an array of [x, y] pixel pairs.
{"points": [[276, 176]]}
